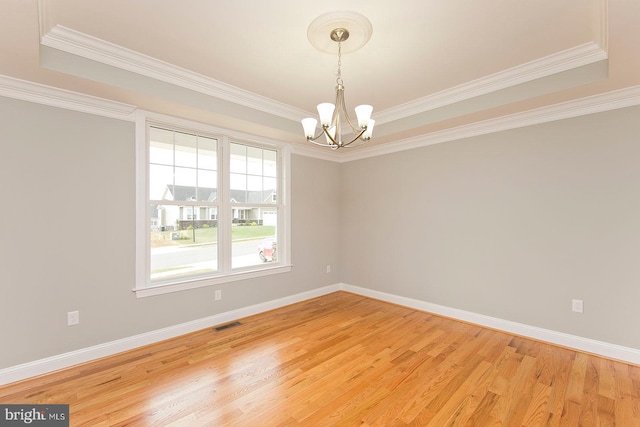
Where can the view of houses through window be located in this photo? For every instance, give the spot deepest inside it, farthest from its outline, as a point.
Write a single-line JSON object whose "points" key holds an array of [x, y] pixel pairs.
{"points": [[188, 208]]}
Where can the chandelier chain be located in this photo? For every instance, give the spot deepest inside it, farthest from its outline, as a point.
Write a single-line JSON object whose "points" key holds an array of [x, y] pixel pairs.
{"points": [[339, 74]]}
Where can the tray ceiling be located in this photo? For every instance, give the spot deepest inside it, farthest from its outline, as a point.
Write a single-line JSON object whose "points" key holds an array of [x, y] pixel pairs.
{"points": [[248, 65]]}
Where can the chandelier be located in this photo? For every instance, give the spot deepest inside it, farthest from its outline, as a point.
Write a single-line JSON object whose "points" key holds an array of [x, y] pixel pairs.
{"points": [[334, 116]]}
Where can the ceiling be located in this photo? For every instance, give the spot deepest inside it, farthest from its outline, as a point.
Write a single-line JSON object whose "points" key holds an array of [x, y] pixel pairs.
{"points": [[430, 66]]}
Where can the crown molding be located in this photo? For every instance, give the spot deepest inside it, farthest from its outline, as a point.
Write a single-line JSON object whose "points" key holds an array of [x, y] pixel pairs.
{"points": [[613, 100], [11, 87], [569, 59], [41, 94], [602, 23], [44, 15], [578, 56], [23, 90], [95, 49]]}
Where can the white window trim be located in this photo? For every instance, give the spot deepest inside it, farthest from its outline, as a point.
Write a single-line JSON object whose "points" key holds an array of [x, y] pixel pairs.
{"points": [[143, 286]]}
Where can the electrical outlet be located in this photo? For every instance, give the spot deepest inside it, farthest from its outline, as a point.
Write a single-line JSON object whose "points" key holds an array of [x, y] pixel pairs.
{"points": [[218, 295], [577, 305], [328, 268], [73, 318]]}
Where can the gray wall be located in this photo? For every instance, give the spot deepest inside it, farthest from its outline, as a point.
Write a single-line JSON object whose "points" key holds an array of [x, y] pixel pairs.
{"points": [[511, 225], [67, 236]]}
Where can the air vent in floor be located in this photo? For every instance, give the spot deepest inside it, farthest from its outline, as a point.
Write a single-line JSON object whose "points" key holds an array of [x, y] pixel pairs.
{"points": [[227, 326]]}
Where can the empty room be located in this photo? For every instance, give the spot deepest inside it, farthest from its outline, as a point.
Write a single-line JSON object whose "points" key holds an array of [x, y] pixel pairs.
{"points": [[350, 213]]}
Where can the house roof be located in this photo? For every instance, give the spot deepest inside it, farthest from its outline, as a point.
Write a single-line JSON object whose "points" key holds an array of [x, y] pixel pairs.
{"points": [[187, 193]]}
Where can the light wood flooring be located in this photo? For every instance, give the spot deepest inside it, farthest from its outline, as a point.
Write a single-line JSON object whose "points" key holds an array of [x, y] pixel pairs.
{"points": [[344, 360]]}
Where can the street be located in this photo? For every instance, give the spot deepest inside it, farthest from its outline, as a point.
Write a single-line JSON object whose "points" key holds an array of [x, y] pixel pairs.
{"points": [[169, 261]]}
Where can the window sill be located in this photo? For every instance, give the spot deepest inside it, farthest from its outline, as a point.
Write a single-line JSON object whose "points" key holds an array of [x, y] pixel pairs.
{"points": [[152, 290]]}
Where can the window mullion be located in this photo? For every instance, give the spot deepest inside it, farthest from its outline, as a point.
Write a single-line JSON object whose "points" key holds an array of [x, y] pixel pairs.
{"points": [[224, 210], [142, 205], [282, 202]]}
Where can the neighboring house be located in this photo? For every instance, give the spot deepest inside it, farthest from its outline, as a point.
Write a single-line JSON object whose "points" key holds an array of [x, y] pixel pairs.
{"points": [[155, 220], [172, 217], [250, 214]]}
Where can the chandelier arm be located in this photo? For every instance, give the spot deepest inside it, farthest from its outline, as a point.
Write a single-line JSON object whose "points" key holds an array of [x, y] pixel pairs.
{"points": [[354, 129], [321, 144], [316, 137], [343, 107], [334, 144], [355, 138], [336, 102], [333, 139], [335, 120]]}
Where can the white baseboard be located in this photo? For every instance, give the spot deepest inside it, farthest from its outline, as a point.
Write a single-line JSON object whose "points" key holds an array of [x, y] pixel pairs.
{"points": [[600, 348], [65, 360]]}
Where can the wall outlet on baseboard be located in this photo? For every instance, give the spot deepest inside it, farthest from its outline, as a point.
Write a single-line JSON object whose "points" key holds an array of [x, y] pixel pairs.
{"points": [[577, 306], [217, 295], [328, 268], [73, 318]]}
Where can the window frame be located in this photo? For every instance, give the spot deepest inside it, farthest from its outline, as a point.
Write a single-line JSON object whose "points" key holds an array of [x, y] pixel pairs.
{"points": [[144, 286]]}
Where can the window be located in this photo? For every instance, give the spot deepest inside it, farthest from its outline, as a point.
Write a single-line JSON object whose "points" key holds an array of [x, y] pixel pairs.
{"points": [[207, 206], [253, 178]]}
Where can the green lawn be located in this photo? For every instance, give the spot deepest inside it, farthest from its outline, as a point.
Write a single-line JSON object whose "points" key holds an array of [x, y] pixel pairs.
{"points": [[210, 235]]}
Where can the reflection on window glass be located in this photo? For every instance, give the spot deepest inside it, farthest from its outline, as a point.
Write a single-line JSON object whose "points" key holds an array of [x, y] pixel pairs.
{"points": [[269, 159], [186, 148], [254, 161], [238, 160]]}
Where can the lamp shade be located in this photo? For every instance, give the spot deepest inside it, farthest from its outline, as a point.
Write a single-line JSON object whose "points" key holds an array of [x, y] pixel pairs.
{"points": [[325, 111], [367, 134], [363, 112], [309, 126]]}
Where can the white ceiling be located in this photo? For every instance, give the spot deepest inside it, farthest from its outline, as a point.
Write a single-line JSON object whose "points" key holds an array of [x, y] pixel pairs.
{"points": [[247, 65]]}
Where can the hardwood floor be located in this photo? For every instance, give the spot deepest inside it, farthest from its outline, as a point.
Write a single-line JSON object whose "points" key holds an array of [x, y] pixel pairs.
{"points": [[344, 360]]}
